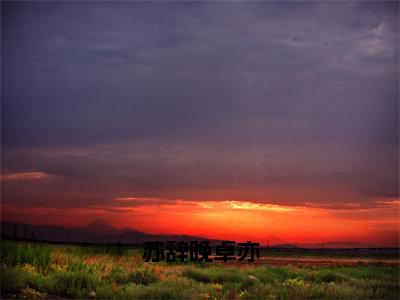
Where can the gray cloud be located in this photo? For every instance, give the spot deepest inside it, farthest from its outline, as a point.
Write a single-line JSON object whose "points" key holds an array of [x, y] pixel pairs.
{"points": [[171, 99]]}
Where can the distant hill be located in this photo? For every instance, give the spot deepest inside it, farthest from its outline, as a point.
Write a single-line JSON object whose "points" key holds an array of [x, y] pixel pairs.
{"points": [[272, 241], [333, 245], [97, 231], [286, 246]]}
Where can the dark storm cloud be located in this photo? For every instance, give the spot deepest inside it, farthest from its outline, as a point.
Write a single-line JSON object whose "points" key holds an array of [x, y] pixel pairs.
{"points": [[171, 99]]}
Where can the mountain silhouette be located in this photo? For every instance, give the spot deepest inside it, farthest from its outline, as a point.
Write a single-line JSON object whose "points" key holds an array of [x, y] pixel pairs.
{"points": [[98, 231], [99, 227]]}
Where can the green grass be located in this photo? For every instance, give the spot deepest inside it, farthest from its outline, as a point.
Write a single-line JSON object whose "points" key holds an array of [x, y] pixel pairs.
{"points": [[37, 255], [91, 250], [34, 270], [142, 276]]}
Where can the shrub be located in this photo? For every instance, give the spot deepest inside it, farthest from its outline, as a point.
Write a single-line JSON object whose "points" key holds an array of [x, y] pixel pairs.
{"points": [[330, 277], [215, 275]]}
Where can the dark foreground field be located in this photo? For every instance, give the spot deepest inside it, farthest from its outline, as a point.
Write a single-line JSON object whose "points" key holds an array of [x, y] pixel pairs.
{"points": [[36, 270]]}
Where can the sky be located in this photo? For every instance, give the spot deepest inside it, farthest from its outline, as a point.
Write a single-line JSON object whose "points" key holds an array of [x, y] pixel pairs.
{"points": [[221, 119]]}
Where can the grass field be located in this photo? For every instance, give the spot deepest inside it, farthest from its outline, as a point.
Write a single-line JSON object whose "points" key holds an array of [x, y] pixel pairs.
{"points": [[38, 270]]}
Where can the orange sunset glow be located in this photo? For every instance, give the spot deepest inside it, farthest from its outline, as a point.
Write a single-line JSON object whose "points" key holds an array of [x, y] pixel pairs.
{"points": [[236, 220]]}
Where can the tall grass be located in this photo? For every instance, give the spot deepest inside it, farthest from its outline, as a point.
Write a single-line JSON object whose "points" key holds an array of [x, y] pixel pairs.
{"points": [[143, 276], [76, 284], [37, 255]]}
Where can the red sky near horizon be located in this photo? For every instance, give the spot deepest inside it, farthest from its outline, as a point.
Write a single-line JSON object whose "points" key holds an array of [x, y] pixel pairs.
{"points": [[227, 219]]}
